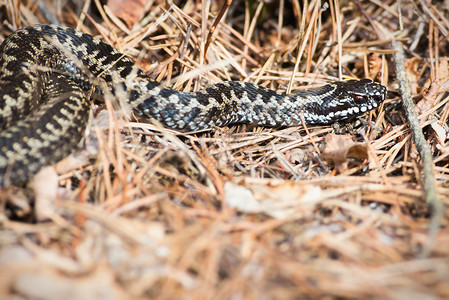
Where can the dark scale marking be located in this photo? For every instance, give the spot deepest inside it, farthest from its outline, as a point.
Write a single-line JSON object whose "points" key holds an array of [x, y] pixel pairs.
{"points": [[203, 98], [107, 77], [133, 95]]}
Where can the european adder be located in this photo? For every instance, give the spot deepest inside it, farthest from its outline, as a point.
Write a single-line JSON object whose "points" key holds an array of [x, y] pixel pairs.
{"points": [[46, 72]]}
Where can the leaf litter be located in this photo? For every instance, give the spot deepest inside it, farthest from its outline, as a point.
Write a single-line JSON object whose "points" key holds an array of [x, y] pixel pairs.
{"points": [[243, 212]]}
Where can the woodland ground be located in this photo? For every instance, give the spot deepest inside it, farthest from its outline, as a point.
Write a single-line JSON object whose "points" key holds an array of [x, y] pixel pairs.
{"points": [[244, 212]]}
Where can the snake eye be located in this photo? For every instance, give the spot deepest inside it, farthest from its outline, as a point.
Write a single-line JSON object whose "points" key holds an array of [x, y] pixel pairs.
{"points": [[359, 99]]}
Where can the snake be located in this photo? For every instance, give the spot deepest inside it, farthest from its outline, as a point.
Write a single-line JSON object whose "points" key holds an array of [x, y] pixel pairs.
{"points": [[48, 74]]}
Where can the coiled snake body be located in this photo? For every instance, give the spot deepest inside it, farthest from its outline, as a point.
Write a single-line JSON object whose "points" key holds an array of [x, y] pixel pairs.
{"points": [[45, 71]]}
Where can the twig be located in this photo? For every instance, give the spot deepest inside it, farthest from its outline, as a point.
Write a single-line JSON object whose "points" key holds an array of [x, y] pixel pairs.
{"points": [[421, 145]]}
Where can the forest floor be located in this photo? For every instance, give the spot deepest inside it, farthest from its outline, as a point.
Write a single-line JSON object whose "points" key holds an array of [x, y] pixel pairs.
{"points": [[244, 212]]}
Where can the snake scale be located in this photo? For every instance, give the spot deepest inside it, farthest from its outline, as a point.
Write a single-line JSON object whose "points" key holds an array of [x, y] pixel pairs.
{"points": [[46, 72]]}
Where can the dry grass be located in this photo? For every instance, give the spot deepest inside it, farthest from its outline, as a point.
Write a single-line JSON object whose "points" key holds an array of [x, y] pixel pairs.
{"points": [[244, 212]]}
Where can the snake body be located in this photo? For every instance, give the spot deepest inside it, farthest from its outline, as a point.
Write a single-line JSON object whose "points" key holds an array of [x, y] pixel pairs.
{"points": [[47, 70]]}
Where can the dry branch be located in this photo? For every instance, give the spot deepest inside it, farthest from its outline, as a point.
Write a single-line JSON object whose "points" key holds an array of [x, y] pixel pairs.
{"points": [[422, 146]]}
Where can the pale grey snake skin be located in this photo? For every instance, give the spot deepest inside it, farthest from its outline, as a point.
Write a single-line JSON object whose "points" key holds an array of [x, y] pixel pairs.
{"points": [[44, 105]]}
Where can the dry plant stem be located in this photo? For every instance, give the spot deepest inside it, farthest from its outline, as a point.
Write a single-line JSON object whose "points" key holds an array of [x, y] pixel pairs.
{"points": [[418, 137]]}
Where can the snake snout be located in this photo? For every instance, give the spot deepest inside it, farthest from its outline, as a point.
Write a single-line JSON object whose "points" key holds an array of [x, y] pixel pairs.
{"points": [[377, 91]]}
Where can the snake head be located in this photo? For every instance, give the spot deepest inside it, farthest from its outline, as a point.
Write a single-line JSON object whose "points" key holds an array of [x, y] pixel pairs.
{"points": [[346, 100], [363, 93]]}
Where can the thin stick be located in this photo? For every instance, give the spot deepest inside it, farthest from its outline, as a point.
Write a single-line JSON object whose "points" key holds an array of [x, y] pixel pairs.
{"points": [[422, 146]]}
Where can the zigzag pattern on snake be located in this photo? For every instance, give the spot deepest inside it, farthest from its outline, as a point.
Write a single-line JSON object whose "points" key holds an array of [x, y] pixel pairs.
{"points": [[46, 71]]}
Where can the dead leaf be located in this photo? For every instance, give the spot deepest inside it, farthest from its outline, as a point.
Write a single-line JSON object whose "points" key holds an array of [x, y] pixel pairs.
{"points": [[17, 199], [440, 133], [72, 162], [240, 198], [297, 156], [339, 147], [375, 67], [45, 187], [130, 11], [279, 201], [48, 284], [431, 88], [358, 150], [413, 67]]}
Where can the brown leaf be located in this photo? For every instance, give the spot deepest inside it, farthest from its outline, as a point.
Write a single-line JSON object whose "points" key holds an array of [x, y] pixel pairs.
{"points": [[440, 133], [431, 88], [49, 284], [413, 66], [278, 201], [130, 11], [339, 147], [375, 66], [17, 199], [45, 186], [297, 156]]}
